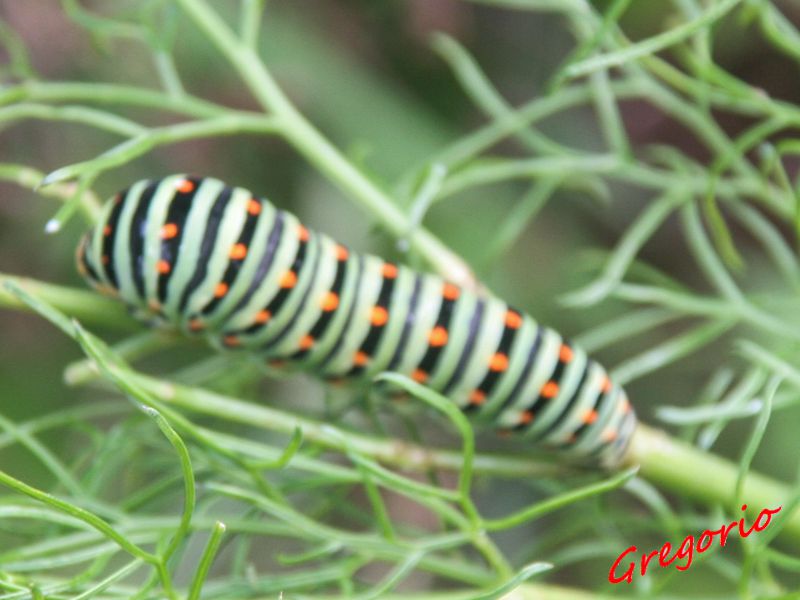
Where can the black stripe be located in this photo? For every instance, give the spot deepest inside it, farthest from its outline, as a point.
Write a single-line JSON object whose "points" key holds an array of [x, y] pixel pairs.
{"points": [[235, 265], [264, 265], [375, 333], [343, 332], [475, 323], [303, 301], [524, 376], [433, 353], [323, 322], [278, 300], [137, 232], [568, 406], [213, 223], [555, 377], [504, 347], [411, 317], [598, 406], [177, 213], [107, 254]]}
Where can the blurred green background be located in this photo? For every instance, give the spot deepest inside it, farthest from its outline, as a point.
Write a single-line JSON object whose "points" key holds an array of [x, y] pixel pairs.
{"points": [[366, 74]]}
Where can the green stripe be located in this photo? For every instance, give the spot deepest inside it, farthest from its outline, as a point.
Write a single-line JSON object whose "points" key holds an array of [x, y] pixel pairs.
{"points": [[289, 307], [219, 319], [546, 360], [230, 227], [186, 259], [152, 239], [457, 335], [96, 245], [121, 252], [281, 262], [486, 342], [520, 349], [326, 270], [427, 309], [570, 422], [362, 296]]}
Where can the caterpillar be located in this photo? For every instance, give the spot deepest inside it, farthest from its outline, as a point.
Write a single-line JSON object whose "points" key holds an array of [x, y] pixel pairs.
{"points": [[218, 261]]}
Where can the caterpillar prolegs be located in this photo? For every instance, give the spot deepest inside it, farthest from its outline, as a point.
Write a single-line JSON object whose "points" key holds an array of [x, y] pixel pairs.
{"points": [[219, 261]]}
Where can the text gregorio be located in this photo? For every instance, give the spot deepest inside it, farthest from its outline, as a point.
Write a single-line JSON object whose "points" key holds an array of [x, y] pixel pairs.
{"points": [[687, 548]]}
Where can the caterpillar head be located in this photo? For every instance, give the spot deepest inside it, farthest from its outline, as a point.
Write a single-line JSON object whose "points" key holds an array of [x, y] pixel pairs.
{"points": [[92, 256]]}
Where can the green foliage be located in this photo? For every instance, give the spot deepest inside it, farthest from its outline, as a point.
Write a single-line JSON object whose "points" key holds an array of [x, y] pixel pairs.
{"points": [[203, 485]]}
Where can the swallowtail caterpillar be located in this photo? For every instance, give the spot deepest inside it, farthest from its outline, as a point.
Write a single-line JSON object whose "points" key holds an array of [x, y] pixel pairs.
{"points": [[218, 261]]}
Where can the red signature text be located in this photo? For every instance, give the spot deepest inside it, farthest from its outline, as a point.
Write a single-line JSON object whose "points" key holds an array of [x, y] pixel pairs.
{"points": [[685, 552]]}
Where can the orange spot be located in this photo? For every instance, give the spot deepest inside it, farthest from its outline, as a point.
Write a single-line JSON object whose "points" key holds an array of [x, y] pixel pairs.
{"points": [[341, 252], [498, 362], [263, 316], [231, 340], [609, 435], [526, 417], [163, 267], [565, 354], [306, 342], [154, 305], [438, 336], [107, 230], [360, 359], [625, 405], [590, 416], [220, 290], [238, 251], [196, 325], [513, 319], [185, 186], [330, 301], [169, 231], [419, 376], [389, 270], [379, 316], [105, 259], [302, 233], [549, 390], [477, 397], [450, 291], [289, 280], [605, 385], [571, 439], [254, 207]]}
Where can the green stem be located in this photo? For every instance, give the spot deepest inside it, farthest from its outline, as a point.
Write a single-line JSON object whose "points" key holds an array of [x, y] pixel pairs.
{"points": [[228, 124], [29, 178], [75, 114], [212, 546], [83, 305], [652, 44], [109, 93], [389, 451], [706, 478], [318, 150], [711, 479]]}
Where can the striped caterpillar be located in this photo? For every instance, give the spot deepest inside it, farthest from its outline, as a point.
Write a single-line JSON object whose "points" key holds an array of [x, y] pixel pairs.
{"points": [[218, 261]]}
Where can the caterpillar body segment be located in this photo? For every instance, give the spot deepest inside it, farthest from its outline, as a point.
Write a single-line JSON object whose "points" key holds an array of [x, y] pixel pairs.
{"points": [[217, 261]]}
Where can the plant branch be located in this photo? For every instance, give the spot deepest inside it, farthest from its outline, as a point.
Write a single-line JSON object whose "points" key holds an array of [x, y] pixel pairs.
{"points": [[318, 150]]}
